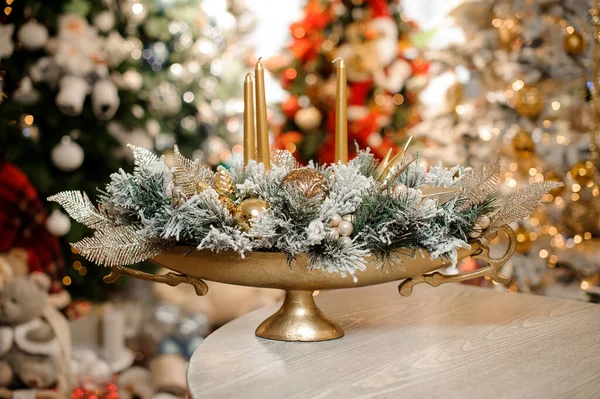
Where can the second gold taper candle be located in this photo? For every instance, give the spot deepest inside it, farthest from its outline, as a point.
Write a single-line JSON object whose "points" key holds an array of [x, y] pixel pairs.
{"points": [[262, 130], [341, 121], [249, 146]]}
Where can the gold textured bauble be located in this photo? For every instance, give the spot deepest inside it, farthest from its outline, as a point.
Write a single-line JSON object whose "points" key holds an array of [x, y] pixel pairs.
{"points": [[309, 181], [574, 43], [222, 183], [553, 176], [523, 144], [508, 32], [529, 102], [523, 240], [583, 172], [249, 210]]}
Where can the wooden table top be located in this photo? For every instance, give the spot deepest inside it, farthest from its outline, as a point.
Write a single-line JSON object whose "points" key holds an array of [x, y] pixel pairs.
{"points": [[453, 341]]}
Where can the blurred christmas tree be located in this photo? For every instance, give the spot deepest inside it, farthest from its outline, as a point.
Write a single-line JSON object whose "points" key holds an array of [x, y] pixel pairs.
{"points": [[81, 78], [383, 70], [514, 77]]}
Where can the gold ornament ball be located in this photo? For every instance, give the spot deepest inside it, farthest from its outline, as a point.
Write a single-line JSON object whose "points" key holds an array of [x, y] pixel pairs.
{"points": [[529, 102], [574, 43], [249, 210], [582, 172], [508, 32], [309, 181], [484, 221], [523, 144], [523, 241]]}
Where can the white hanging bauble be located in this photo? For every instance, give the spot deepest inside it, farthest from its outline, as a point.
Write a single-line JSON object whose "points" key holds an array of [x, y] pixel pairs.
{"points": [[58, 224], [71, 95], [153, 127], [67, 155], [308, 118], [132, 80], [33, 35], [105, 99], [26, 94], [104, 21]]}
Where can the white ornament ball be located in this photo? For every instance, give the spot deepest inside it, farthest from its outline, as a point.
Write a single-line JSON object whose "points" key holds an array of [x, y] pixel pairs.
{"points": [[335, 220], [67, 155], [476, 233], [58, 223], [484, 221], [33, 35], [104, 21], [152, 127], [132, 80], [346, 241], [345, 228], [334, 233], [308, 118], [399, 189]]}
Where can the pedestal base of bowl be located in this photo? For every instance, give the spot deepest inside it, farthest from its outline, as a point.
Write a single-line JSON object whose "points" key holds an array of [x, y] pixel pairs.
{"points": [[299, 319]]}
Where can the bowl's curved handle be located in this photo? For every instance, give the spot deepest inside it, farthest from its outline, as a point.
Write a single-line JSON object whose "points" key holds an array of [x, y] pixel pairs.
{"points": [[171, 279], [492, 270]]}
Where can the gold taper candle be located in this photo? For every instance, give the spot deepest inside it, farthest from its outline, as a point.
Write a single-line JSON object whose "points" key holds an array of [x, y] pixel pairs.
{"points": [[249, 146], [262, 131], [341, 104]]}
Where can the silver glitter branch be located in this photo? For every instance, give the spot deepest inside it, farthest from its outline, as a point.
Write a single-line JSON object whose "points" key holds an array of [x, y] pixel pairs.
{"points": [[120, 246], [522, 203], [79, 207]]}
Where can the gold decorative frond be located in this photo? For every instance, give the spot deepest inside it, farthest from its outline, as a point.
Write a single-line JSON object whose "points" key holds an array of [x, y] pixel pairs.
{"points": [[479, 183], [79, 207], [283, 159], [442, 194], [116, 246], [191, 176], [223, 183], [397, 159], [521, 203], [141, 157]]}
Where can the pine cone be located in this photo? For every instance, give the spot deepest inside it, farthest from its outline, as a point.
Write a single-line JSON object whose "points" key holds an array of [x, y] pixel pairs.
{"points": [[222, 183]]}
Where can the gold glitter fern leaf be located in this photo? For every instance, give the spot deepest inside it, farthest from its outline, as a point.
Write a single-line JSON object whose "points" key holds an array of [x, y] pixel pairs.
{"points": [[118, 246], [521, 203], [79, 207], [191, 176], [479, 183]]}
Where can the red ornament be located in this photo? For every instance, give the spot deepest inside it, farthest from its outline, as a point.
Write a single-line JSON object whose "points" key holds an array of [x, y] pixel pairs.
{"points": [[290, 107]]}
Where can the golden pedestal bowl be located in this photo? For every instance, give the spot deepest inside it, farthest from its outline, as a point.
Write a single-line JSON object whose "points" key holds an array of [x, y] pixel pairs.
{"points": [[299, 318]]}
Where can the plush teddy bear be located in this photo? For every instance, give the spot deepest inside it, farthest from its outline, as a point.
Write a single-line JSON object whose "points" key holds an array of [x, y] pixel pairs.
{"points": [[28, 344]]}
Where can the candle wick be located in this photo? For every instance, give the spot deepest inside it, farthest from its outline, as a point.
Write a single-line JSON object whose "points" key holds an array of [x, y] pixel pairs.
{"points": [[259, 58], [337, 59]]}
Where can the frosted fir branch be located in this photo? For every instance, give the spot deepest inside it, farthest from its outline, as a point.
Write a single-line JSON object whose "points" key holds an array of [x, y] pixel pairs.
{"points": [[335, 257], [226, 238], [347, 187]]}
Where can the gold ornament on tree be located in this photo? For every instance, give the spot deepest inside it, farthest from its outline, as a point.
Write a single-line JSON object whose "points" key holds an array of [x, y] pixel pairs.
{"points": [[508, 32], [574, 43], [583, 172], [309, 181], [523, 144], [529, 102]]}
